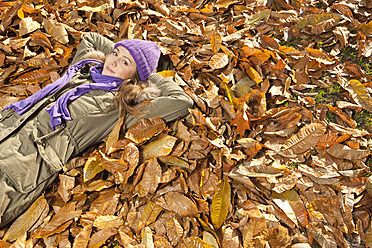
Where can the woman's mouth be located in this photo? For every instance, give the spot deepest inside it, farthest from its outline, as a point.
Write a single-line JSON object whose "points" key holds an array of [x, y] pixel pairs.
{"points": [[111, 71]]}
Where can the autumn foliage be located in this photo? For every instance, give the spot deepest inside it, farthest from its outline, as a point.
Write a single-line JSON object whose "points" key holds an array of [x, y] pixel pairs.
{"points": [[273, 154]]}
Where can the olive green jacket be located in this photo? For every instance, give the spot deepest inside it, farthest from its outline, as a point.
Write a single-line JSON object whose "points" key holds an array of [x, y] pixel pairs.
{"points": [[32, 155]]}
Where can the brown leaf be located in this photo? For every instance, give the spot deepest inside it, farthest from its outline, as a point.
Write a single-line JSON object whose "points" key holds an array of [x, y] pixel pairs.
{"points": [[66, 185], [267, 41], [100, 237], [345, 152], [28, 25], [57, 224], [180, 204], [150, 178], [57, 30], [108, 221], [7, 18], [145, 129], [131, 156], [106, 202], [241, 121], [218, 61], [174, 230]]}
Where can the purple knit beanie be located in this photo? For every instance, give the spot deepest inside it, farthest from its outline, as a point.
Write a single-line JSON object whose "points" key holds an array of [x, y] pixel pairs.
{"points": [[145, 53]]}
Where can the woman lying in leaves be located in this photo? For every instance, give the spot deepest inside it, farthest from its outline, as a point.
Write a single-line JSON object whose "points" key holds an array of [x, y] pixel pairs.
{"points": [[40, 134]]}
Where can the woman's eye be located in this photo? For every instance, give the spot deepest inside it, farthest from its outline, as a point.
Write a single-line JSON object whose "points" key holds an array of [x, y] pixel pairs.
{"points": [[124, 62], [114, 53]]}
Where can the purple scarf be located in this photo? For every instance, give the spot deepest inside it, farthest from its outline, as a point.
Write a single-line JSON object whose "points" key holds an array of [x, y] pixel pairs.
{"points": [[59, 110]]}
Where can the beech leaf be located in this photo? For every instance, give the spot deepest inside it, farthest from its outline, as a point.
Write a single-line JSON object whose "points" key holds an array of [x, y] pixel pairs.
{"points": [[100, 237], [93, 166], [345, 152], [306, 138], [25, 221], [181, 204], [145, 129], [159, 147], [221, 204]]}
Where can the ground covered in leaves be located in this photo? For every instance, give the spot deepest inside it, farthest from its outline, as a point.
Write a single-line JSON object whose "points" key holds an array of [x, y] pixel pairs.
{"points": [[275, 152]]}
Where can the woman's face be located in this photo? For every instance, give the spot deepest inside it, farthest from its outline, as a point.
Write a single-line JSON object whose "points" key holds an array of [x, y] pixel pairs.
{"points": [[120, 63]]}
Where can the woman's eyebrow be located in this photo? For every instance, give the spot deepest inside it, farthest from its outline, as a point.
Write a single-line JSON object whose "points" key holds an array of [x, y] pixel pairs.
{"points": [[122, 55]]}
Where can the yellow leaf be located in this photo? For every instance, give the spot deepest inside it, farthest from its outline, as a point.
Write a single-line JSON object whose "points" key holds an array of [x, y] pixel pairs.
{"points": [[195, 242], [366, 29], [4, 244], [361, 95], [253, 74], [21, 15], [167, 73], [174, 161], [147, 238], [25, 221], [108, 221], [149, 215], [20, 242], [159, 147], [221, 204], [101, 8], [216, 41], [93, 166]]}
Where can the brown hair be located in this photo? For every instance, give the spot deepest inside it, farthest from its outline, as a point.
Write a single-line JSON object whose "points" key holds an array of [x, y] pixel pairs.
{"points": [[127, 97]]}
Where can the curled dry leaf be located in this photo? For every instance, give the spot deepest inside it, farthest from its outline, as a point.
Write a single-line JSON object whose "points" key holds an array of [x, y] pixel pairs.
{"points": [[218, 61], [345, 152], [145, 129], [28, 25], [306, 138]]}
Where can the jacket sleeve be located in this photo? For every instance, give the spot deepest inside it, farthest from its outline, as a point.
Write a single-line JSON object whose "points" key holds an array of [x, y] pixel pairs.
{"points": [[173, 102], [93, 42]]}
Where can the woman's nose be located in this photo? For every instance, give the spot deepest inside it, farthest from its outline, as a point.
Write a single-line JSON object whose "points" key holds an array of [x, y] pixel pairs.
{"points": [[114, 61]]}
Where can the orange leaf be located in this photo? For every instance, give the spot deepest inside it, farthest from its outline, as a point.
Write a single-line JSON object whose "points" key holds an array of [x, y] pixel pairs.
{"points": [[241, 121]]}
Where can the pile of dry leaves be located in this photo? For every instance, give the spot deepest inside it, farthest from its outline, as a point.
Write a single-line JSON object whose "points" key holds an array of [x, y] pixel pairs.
{"points": [[271, 155]]}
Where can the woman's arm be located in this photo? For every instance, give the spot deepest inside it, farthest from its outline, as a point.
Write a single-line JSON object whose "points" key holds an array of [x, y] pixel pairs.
{"points": [[173, 102], [93, 42]]}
